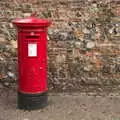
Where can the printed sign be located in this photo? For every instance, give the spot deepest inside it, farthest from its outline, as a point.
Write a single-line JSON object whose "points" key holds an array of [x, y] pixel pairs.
{"points": [[32, 50]]}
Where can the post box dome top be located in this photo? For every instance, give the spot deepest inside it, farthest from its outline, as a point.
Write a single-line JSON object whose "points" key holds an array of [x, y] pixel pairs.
{"points": [[31, 22]]}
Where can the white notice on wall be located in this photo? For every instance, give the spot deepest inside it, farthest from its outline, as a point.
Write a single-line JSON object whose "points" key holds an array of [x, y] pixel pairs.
{"points": [[32, 49]]}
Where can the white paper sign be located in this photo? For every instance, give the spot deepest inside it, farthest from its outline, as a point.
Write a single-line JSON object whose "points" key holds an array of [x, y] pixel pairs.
{"points": [[32, 49]]}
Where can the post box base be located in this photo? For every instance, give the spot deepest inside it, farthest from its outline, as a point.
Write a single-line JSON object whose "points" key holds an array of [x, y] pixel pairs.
{"points": [[32, 101]]}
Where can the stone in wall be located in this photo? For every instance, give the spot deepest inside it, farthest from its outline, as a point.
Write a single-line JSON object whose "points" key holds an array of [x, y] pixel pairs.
{"points": [[83, 47]]}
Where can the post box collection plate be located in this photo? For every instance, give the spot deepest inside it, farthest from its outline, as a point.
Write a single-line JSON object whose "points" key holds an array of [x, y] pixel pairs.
{"points": [[32, 49]]}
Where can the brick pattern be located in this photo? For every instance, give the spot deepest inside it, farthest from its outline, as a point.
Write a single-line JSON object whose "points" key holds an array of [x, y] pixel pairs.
{"points": [[84, 39]]}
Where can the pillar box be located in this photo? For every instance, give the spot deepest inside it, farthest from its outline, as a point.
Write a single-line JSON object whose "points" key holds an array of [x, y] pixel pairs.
{"points": [[32, 62]]}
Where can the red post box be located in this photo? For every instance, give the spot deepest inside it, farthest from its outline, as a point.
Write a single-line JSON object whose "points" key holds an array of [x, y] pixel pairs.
{"points": [[32, 62]]}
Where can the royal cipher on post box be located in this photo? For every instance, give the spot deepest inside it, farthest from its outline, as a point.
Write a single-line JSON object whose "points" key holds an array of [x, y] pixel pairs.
{"points": [[32, 62]]}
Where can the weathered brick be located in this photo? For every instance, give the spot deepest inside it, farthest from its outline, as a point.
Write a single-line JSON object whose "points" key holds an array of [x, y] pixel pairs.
{"points": [[72, 62]]}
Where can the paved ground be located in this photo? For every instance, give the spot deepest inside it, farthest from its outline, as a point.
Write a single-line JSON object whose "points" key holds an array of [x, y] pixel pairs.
{"points": [[76, 106]]}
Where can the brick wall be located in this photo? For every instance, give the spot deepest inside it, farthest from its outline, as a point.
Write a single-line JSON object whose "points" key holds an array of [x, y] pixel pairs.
{"points": [[83, 47]]}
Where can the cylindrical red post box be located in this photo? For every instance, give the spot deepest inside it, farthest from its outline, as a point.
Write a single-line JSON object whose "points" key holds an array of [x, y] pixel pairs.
{"points": [[32, 62]]}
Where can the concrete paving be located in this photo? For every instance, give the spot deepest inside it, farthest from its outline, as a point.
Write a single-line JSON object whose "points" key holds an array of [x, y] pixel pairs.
{"points": [[64, 106]]}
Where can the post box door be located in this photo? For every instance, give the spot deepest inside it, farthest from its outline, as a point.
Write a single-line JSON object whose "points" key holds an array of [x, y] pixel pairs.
{"points": [[33, 70], [33, 77]]}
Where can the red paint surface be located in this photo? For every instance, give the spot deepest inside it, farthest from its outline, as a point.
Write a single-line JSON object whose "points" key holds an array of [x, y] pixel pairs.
{"points": [[32, 70]]}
